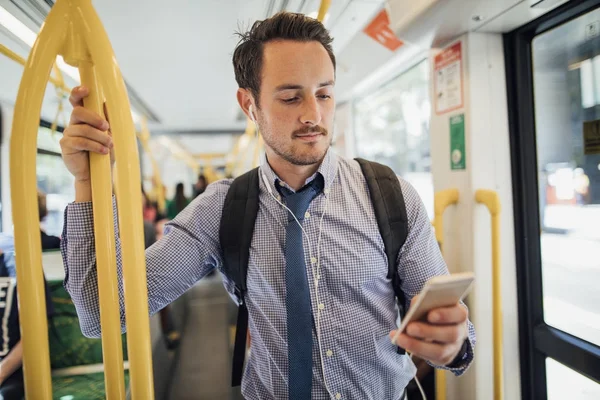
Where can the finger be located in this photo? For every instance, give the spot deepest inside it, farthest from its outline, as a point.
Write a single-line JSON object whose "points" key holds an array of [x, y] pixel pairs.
{"points": [[440, 354], [77, 95], [82, 115], [72, 145], [414, 299], [88, 132], [448, 315], [456, 333]]}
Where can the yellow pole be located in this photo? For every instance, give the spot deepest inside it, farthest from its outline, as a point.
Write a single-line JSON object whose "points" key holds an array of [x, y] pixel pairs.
{"points": [[144, 137], [442, 200], [492, 201], [323, 9], [23, 151], [57, 82], [128, 185], [112, 349]]}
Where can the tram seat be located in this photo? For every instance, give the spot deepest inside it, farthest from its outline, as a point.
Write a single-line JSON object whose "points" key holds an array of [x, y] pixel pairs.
{"points": [[76, 361]]}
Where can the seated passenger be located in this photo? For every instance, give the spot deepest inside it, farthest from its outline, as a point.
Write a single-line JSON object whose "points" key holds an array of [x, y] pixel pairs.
{"points": [[11, 349]]}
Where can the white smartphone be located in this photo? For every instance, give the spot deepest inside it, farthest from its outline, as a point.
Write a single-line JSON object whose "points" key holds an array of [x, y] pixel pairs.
{"points": [[439, 291]]}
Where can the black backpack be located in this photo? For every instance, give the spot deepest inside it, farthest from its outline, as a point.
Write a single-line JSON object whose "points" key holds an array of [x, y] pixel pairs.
{"points": [[237, 228]]}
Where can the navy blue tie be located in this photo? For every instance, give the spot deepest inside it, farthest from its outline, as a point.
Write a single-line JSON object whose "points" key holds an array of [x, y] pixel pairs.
{"points": [[299, 313]]}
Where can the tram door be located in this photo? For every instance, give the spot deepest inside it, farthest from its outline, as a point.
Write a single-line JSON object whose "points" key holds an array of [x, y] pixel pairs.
{"points": [[553, 71]]}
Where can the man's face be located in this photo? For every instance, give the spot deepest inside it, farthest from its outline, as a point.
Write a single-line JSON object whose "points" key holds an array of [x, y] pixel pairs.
{"points": [[297, 103]]}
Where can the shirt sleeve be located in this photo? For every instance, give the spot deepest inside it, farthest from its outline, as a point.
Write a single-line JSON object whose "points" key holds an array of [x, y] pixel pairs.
{"points": [[420, 259], [187, 252]]}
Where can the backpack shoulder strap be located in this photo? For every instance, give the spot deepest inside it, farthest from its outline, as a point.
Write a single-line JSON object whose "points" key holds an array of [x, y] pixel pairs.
{"points": [[390, 211], [235, 235]]}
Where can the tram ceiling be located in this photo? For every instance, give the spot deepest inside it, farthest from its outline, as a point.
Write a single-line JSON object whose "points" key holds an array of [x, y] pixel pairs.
{"points": [[176, 55]]}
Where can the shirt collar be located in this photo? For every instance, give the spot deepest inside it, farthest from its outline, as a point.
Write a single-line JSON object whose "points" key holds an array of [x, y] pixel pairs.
{"points": [[327, 169]]}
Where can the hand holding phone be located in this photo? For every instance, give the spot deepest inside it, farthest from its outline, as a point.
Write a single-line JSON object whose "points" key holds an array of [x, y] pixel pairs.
{"points": [[433, 340]]}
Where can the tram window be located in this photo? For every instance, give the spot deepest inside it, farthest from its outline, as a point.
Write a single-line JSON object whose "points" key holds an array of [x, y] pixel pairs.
{"points": [[567, 97], [54, 179], [392, 127], [564, 383]]}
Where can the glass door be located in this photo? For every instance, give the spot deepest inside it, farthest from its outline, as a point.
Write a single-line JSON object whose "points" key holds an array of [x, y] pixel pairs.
{"points": [[553, 74]]}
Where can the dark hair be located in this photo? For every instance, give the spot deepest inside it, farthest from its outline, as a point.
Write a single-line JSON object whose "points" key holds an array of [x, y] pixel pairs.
{"points": [[248, 55], [180, 199]]}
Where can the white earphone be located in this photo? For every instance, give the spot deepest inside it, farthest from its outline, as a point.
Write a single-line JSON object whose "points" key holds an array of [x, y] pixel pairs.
{"points": [[266, 181], [251, 114]]}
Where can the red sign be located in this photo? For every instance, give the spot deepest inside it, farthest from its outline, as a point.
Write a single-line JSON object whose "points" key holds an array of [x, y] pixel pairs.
{"points": [[448, 79], [379, 29]]}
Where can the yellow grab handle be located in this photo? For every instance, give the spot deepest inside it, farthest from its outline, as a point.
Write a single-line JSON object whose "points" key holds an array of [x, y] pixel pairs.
{"points": [[442, 200], [144, 137], [112, 347], [128, 184], [492, 201], [28, 256], [323, 8]]}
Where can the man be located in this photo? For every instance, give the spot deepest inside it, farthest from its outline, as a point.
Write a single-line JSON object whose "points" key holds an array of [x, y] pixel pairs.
{"points": [[285, 69]]}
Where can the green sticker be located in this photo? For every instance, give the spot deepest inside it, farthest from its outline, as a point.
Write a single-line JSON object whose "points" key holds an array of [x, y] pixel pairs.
{"points": [[458, 156]]}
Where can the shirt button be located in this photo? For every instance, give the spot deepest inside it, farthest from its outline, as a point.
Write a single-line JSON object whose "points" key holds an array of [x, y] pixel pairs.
{"points": [[313, 260], [329, 353], [321, 306], [281, 183], [327, 191], [338, 396], [307, 215]]}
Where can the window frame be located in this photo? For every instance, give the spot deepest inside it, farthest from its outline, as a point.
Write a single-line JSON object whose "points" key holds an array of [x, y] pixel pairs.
{"points": [[538, 340]]}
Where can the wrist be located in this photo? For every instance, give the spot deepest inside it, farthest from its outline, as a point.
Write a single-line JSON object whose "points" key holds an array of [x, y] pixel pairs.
{"points": [[460, 357], [83, 190]]}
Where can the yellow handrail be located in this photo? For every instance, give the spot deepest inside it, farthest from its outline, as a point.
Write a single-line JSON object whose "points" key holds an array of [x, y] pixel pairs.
{"points": [[57, 82], [74, 29], [323, 8], [144, 138], [442, 200], [492, 201]]}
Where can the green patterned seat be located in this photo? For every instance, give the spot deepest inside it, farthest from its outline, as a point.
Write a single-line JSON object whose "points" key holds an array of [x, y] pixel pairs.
{"points": [[69, 348], [81, 387]]}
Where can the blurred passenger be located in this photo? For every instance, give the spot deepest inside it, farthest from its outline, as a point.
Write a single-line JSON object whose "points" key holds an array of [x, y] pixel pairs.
{"points": [[200, 185], [150, 210], [582, 186], [170, 333], [48, 242], [178, 203], [11, 348]]}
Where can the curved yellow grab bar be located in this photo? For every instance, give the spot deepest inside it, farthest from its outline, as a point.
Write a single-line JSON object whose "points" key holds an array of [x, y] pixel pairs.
{"points": [[144, 137], [128, 184], [442, 200], [28, 255], [323, 8], [112, 350], [491, 199], [60, 23]]}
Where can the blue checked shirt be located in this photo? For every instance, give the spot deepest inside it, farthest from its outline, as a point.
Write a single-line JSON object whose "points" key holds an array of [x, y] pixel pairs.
{"points": [[353, 307]]}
